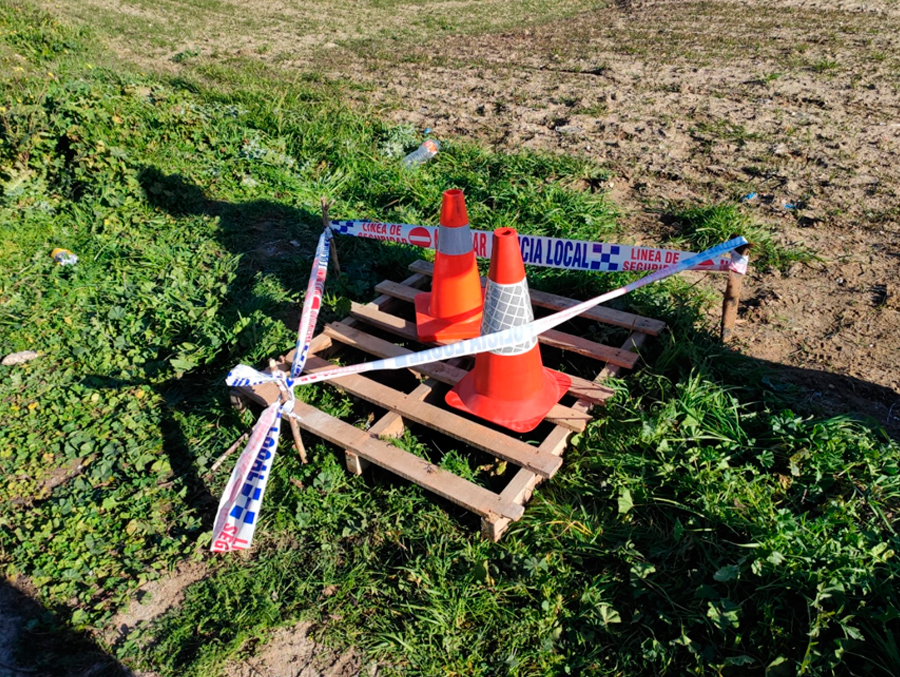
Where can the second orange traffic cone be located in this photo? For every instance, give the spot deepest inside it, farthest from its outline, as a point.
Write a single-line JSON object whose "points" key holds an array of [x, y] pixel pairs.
{"points": [[452, 309], [509, 386]]}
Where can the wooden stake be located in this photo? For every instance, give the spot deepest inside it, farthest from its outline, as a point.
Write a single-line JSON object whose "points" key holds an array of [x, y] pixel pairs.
{"points": [[732, 298], [326, 222], [298, 441], [238, 403], [295, 428]]}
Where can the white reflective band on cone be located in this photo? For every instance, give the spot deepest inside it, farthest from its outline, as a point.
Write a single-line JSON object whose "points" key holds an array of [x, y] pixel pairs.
{"points": [[507, 306], [454, 241]]}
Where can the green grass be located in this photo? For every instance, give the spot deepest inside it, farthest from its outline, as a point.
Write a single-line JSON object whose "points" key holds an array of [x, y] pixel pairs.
{"points": [[698, 526], [300, 29], [825, 66], [700, 226]]}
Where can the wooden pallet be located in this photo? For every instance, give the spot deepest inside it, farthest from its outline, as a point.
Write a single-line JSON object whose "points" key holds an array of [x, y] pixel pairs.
{"points": [[535, 462]]}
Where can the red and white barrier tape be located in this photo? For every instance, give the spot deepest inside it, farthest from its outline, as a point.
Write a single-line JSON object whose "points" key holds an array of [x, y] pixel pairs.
{"points": [[551, 252], [312, 302]]}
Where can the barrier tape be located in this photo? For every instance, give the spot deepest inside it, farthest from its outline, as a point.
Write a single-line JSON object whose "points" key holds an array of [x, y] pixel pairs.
{"points": [[312, 303], [243, 495], [551, 252], [244, 375], [242, 498]]}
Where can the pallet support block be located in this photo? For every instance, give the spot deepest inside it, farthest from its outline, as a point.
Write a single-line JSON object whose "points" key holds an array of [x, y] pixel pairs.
{"points": [[536, 459]]}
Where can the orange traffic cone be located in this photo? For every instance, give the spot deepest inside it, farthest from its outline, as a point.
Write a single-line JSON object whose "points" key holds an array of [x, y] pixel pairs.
{"points": [[509, 386], [452, 309]]}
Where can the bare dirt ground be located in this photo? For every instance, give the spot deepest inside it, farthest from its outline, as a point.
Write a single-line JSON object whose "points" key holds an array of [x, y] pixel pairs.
{"points": [[703, 102], [287, 652], [291, 652], [154, 599]]}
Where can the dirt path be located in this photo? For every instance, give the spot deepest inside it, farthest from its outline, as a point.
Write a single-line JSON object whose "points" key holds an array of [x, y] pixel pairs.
{"points": [[154, 599], [293, 652], [289, 651]]}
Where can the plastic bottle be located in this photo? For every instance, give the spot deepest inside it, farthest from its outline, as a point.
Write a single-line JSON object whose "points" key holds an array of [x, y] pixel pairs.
{"points": [[422, 154], [64, 257]]}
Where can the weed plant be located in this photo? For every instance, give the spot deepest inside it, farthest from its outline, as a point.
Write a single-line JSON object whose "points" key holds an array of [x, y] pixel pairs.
{"points": [[698, 526]]}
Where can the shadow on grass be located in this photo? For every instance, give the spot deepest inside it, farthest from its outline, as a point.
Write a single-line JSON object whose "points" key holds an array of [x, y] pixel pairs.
{"points": [[821, 393], [260, 231], [808, 392], [175, 444], [269, 237], [48, 646]]}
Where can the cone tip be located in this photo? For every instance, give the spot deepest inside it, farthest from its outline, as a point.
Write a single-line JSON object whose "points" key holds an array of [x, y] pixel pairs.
{"points": [[453, 209], [507, 266]]}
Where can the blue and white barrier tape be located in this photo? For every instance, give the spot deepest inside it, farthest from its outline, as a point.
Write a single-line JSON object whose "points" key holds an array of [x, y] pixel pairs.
{"points": [[244, 375], [551, 252], [242, 498]]}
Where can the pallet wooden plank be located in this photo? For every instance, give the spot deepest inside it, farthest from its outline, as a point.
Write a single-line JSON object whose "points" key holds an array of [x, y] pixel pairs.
{"points": [[470, 432], [552, 337], [323, 341], [582, 346], [580, 388], [523, 483], [440, 371], [617, 318], [443, 483], [389, 425], [537, 463], [264, 393], [368, 447], [355, 464], [356, 338]]}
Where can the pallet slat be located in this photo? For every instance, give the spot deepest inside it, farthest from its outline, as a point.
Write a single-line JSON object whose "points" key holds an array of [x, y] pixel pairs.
{"points": [[485, 503], [617, 318], [482, 502], [552, 337], [523, 483], [476, 435], [581, 388], [440, 371]]}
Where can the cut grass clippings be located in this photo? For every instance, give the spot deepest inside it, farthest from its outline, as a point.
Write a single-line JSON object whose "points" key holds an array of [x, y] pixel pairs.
{"points": [[698, 526]]}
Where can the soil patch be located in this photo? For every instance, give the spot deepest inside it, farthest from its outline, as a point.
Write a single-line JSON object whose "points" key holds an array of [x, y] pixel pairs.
{"points": [[291, 652], [691, 102], [35, 640], [154, 599]]}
